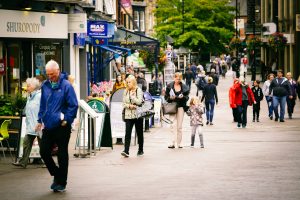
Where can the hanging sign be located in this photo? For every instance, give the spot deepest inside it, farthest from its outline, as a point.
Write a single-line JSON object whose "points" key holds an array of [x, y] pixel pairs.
{"points": [[97, 28]]}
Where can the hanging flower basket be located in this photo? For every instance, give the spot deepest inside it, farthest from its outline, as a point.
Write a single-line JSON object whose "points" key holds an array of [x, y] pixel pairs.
{"points": [[277, 41], [235, 43], [253, 41]]}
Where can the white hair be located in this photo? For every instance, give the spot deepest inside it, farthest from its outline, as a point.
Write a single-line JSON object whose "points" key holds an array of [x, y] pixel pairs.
{"points": [[52, 64], [33, 82]]}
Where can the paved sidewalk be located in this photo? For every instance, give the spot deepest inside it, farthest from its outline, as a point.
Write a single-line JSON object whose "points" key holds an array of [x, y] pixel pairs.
{"points": [[261, 162]]}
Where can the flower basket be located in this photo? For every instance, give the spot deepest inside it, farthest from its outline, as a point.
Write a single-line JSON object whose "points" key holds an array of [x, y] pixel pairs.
{"points": [[277, 41], [253, 41], [235, 43]]}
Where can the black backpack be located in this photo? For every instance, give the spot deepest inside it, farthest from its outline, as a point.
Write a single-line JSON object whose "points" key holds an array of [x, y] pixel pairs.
{"points": [[201, 83]]}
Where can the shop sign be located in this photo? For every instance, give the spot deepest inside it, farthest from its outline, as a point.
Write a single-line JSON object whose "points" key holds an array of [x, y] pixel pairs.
{"points": [[24, 24], [77, 23], [79, 39], [97, 28], [99, 41]]}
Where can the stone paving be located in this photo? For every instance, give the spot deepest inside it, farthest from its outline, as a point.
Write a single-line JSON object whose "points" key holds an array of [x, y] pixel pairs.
{"points": [[259, 162]]}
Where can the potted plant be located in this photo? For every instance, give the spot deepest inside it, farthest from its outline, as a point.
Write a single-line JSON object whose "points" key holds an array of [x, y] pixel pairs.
{"points": [[277, 41], [253, 41]]}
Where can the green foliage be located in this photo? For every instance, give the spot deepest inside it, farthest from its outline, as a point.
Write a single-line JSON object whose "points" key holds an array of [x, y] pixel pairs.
{"points": [[208, 24], [10, 106]]}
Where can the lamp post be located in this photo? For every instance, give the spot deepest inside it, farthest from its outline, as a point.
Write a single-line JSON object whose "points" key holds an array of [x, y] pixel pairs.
{"points": [[236, 31]]}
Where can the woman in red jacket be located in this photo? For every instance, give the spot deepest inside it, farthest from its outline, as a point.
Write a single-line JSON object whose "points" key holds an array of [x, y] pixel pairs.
{"points": [[243, 96], [231, 100]]}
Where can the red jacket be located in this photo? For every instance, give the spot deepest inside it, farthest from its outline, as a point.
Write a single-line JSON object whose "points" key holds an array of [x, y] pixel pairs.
{"points": [[237, 95]]}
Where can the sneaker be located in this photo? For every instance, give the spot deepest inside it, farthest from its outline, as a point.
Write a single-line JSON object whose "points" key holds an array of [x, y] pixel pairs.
{"points": [[202, 146], [192, 146], [244, 126], [126, 155], [171, 146], [140, 153], [238, 125], [180, 147], [59, 188], [207, 122], [211, 123], [282, 120], [253, 120], [271, 117], [17, 164], [257, 120], [53, 185], [290, 116], [276, 119]]}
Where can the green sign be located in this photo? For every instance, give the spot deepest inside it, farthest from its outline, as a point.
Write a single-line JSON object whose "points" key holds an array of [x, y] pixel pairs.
{"points": [[97, 105]]}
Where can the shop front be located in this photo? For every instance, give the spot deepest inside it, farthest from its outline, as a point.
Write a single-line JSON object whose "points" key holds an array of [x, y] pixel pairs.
{"points": [[27, 41]]}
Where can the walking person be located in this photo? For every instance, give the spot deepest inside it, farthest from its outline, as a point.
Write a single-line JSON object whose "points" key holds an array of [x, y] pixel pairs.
{"points": [[31, 112], [243, 98], [211, 98], [258, 96], [281, 89], [177, 92], [58, 110], [232, 104], [200, 82], [269, 97], [132, 98], [188, 76], [291, 102], [196, 121]]}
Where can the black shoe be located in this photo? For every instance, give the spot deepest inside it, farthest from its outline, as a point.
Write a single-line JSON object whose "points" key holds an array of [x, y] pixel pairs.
{"points": [[202, 146], [290, 116], [282, 120], [126, 155], [238, 125], [211, 123], [271, 117], [253, 120], [180, 147], [257, 120], [276, 119], [171, 146], [140, 153], [207, 122], [244, 126], [59, 188]]}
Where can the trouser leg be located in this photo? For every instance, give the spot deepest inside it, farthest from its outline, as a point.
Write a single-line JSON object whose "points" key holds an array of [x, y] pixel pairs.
{"points": [[244, 113], [128, 131], [212, 108], [179, 119], [207, 111], [193, 135], [282, 107], [140, 133], [275, 106], [27, 146]]}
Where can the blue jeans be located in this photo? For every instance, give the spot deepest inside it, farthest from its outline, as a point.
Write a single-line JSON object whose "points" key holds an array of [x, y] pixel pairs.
{"points": [[270, 105], [279, 101], [210, 106]]}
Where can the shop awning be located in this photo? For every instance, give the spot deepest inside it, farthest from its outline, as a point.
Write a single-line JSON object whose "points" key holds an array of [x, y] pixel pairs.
{"points": [[117, 51]]}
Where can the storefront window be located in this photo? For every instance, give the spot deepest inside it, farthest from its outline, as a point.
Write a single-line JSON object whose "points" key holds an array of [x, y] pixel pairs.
{"points": [[43, 52]]}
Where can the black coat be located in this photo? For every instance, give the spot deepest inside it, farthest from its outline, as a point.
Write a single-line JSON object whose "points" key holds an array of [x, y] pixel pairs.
{"points": [[258, 94], [280, 90], [181, 102]]}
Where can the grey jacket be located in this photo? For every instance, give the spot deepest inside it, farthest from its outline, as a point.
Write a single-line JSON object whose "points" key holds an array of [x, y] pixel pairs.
{"points": [[136, 100]]}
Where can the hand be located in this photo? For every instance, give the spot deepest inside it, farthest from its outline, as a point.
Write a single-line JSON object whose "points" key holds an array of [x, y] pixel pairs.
{"points": [[38, 127], [131, 106], [64, 123], [291, 97], [180, 96], [172, 97], [254, 102]]}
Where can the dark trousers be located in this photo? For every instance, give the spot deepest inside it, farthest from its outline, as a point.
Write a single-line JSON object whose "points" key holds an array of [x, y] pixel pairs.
{"points": [[235, 114], [242, 113], [210, 107], [290, 105], [61, 137], [139, 131], [256, 109]]}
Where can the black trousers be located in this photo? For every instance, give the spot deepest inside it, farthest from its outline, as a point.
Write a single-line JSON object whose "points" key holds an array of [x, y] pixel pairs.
{"points": [[256, 109], [139, 131], [242, 113], [290, 105], [61, 137], [235, 114]]}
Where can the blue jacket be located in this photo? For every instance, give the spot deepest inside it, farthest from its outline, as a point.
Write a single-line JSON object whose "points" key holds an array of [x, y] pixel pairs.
{"points": [[57, 100], [31, 111]]}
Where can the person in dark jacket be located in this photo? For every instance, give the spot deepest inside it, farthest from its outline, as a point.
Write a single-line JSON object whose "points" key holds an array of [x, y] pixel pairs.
{"points": [[141, 81], [188, 77], [258, 96], [281, 88], [214, 76], [211, 98], [58, 108], [291, 102], [177, 92]]}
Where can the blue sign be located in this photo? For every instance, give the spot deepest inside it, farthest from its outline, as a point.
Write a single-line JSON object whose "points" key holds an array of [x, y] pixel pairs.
{"points": [[97, 28], [79, 39]]}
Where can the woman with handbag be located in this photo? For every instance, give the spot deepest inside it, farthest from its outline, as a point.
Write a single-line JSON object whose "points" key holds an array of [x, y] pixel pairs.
{"points": [[132, 98], [177, 93]]}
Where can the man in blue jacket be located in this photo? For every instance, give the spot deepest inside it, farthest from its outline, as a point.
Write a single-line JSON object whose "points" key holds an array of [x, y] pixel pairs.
{"points": [[58, 109]]}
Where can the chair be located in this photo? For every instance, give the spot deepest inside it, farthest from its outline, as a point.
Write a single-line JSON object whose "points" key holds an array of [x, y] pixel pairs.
{"points": [[5, 135]]}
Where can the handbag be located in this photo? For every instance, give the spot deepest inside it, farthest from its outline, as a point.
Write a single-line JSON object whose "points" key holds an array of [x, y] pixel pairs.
{"points": [[169, 108], [144, 110]]}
